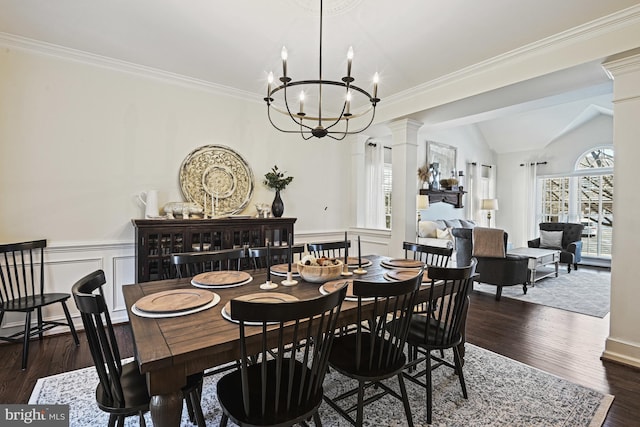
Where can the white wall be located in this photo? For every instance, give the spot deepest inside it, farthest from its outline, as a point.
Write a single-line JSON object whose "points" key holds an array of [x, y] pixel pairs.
{"points": [[471, 147], [561, 156], [78, 142]]}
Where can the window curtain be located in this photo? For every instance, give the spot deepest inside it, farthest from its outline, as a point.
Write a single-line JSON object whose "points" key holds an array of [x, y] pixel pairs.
{"points": [[374, 169], [474, 192], [530, 217]]}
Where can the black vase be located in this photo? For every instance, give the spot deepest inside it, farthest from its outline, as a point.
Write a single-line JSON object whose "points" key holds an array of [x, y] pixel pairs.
{"points": [[277, 207]]}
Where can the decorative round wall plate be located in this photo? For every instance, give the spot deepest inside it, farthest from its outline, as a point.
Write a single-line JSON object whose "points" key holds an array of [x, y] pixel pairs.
{"points": [[218, 179]]}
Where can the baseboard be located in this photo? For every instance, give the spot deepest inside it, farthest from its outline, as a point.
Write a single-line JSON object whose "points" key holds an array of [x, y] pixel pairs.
{"points": [[622, 353]]}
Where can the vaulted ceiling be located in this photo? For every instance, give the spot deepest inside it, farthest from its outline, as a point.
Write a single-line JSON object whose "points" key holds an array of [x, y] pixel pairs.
{"points": [[233, 45]]}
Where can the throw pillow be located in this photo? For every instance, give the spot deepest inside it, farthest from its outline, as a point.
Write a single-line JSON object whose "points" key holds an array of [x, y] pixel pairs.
{"points": [[427, 229], [444, 234], [551, 239]]}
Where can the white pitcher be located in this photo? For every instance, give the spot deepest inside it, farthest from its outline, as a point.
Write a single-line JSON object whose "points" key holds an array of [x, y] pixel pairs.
{"points": [[150, 200]]}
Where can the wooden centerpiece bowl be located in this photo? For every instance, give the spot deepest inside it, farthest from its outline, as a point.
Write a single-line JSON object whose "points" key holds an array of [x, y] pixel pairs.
{"points": [[320, 274]]}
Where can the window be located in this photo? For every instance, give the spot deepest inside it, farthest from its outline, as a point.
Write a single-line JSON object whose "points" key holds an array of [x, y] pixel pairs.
{"points": [[555, 199], [386, 186], [378, 169], [586, 196]]}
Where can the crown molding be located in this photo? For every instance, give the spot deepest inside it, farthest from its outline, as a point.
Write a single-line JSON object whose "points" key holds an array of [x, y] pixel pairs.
{"points": [[624, 63], [593, 29], [584, 32], [65, 53]]}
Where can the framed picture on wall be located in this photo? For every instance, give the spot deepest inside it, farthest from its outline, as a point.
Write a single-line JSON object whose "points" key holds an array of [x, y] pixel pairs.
{"points": [[444, 155]]}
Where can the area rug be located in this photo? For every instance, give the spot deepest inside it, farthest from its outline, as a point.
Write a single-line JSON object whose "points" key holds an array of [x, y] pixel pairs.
{"points": [[502, 392], [585, 291]]}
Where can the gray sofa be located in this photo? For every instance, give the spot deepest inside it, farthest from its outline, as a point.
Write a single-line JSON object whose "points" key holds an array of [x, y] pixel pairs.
{"points": [[438, 232]]}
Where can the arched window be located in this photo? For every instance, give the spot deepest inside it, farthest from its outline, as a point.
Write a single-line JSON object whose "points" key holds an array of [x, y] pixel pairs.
{"points": [[594, 172], [596, 158], [584, 196]]}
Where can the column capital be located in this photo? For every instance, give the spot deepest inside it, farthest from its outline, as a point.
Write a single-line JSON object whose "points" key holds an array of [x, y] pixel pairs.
{"points": [[404, 124], [623, 63]]}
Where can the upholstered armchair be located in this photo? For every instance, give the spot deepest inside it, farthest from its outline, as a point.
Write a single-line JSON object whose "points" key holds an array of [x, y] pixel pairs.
{"points": [[570, 246], [505, 270]]}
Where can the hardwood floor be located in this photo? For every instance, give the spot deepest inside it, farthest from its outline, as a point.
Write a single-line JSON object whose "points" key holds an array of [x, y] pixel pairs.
{"points": [[559, 342]]}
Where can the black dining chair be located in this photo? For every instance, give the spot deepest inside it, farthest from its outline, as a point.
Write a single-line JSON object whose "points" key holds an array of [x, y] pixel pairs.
{"points": [[284, 387], [442, 328], [22, 291], [430, 255], [279, 255], [122, 390], [375, 352], [190, 264], [328, 249]]}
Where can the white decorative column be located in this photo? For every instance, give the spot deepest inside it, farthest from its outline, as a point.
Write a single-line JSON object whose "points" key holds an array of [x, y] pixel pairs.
{"points": [[358, 179], [405, 183], [623, 343]]}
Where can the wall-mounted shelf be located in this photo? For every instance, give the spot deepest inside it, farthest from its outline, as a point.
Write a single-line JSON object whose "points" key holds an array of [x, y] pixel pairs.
{"points": [[447, 196]]}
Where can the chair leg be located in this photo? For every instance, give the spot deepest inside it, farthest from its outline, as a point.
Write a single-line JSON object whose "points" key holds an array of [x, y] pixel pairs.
{"points": [[316, 420], [405, 400], [360, 409], [70, 322], [197, 408], [498, 293], [39, 316], [112, 420], [189, 402], [575, 266], [142, 421], [456, 359], [429, 386], [224, 420], [25, 344]]}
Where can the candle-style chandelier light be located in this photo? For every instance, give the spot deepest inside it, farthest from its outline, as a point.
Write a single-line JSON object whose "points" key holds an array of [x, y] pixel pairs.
{"points": [[333, 123]]}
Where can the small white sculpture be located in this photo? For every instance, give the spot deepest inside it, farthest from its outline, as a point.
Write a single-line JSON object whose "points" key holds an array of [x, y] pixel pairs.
{"points": [[185, 209]]}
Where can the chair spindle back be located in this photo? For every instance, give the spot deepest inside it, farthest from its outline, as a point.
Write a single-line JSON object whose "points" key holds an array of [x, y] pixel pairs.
{"points": [[430, 255], [18, 272]]}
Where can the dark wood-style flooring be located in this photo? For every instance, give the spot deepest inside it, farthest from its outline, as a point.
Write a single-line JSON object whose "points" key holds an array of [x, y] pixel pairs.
{"points": [[566, 344]]}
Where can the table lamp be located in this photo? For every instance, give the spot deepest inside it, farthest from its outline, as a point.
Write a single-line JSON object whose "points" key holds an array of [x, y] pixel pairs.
{"points": [[422, 203], [489, 205]]}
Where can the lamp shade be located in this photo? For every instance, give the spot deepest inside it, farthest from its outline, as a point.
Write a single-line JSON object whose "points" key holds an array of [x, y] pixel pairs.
{"points": [[422, 202], [489, 205]]}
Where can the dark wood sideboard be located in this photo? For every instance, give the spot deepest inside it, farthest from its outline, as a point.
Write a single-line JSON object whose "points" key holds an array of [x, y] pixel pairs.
{"points": [[156, 240], [452, 197]]}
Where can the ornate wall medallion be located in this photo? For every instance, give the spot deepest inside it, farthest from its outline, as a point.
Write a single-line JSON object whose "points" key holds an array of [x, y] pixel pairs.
{"points": [[217, 177]]}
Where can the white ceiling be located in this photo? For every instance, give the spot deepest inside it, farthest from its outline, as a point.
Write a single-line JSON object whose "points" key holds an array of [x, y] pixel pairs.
{"points": [[236, 43]]}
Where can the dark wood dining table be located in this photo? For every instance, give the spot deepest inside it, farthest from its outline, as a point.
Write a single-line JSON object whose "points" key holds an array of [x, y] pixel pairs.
{"points": [[170, 349]]}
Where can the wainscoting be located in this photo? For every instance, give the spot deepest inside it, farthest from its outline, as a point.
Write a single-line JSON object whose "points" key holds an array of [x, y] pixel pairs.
{"points": [[65, 263]]}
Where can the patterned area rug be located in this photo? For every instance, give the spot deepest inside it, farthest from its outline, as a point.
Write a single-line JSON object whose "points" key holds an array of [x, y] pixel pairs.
{"points": [[502, 392], [585, 291]]}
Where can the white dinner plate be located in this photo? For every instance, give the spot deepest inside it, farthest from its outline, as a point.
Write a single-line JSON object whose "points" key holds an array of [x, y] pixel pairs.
{"points": [[141, 313], [198, 285]]}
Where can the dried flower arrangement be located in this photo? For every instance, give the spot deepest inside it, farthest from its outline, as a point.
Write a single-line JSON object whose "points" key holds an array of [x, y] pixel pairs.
{"points": [[424, 173]]}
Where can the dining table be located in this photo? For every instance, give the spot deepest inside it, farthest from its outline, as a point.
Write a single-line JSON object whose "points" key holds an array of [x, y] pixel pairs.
{"points": [[168, 349]]}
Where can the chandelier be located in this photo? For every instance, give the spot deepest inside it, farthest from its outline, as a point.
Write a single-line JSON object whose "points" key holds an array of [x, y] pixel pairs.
{"points": [[320, 123]]}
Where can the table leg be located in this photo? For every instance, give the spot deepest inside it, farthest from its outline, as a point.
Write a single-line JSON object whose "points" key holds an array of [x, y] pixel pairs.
{"points": [[557, 263], [166, 409]]}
